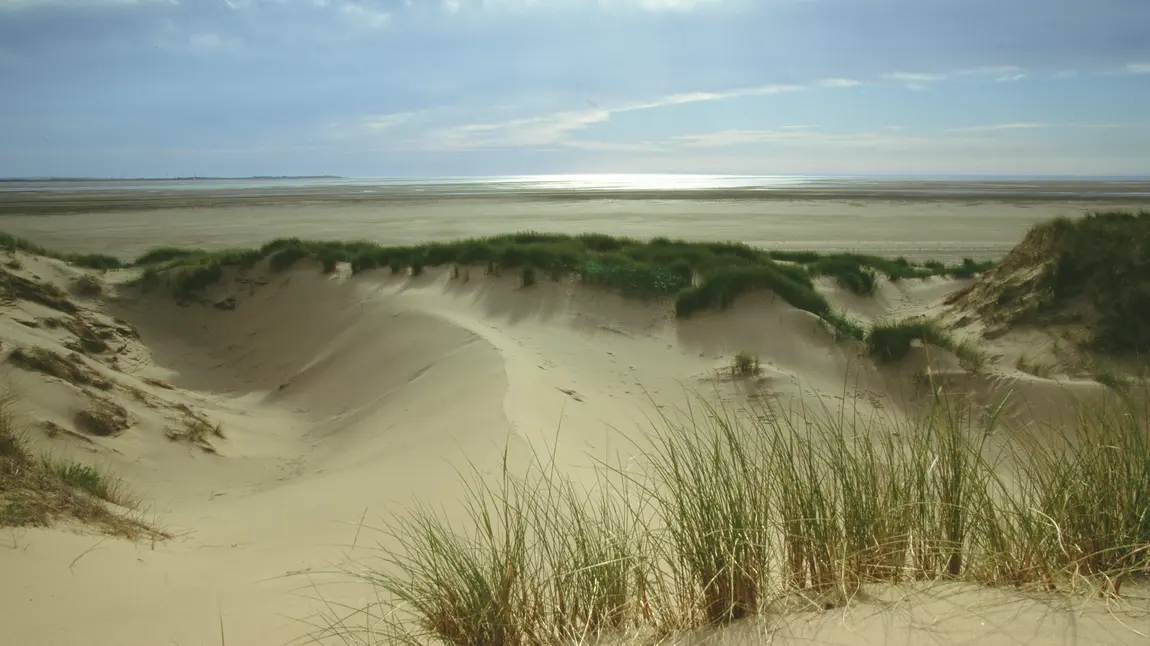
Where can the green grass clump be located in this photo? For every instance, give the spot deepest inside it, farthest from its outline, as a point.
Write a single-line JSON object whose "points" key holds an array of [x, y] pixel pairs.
{"points": [[744, 364], [88, 286], [97, 482], [720, 288], [891, 341], [1104, 258], [39, 492], [726, 514], [89, 260], [1088, 271]]}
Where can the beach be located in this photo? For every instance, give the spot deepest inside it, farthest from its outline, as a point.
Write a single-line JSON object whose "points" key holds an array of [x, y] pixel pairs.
{"points": [[947, 221], [342, 399]]}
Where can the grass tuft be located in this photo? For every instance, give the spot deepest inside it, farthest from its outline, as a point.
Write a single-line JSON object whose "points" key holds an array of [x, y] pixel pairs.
{"points": [[728, 513], [88, 286], [71, 368], [891, 341], [744, 364], [39, 492]]}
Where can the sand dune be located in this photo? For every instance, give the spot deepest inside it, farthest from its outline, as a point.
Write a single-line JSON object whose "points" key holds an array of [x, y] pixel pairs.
{"points": [[341, 398]]}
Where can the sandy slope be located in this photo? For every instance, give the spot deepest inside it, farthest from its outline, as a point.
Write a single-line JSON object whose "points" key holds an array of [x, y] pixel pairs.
{"points": [[345, 398]]}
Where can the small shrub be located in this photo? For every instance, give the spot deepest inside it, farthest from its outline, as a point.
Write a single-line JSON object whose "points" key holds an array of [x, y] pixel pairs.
{"points": [[891, 341], [95, 261], [969, 268], [88, 286], [417, 268], [720, 288], [287, 257], [329, 260], [103, 418], [1036, 367], [195, 278], [860, 280], [166, 255], [1113, 379], [971, 356], [845, 327], [744, 365]]}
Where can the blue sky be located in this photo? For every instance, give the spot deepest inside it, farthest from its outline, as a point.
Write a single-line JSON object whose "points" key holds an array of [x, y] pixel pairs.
{"points": [[372, 88]]}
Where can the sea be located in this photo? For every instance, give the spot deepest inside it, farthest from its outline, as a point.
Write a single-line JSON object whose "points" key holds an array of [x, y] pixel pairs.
{"points": [[621, 186]]}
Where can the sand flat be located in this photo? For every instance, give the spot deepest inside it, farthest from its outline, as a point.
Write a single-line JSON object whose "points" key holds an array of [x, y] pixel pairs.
{"points": [[945, 230]]}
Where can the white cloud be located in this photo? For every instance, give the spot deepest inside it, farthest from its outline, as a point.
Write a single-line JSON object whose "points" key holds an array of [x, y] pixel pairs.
{"points": [[1001, 73], [455, 6], [1000, 126], [1138, 68], [611, 146], [675, 5], [840, 83], [912, 77], [913, 80], [553, 129], [384, 122], [804, 137], [15, 5], [364, 15], [206, 43]]}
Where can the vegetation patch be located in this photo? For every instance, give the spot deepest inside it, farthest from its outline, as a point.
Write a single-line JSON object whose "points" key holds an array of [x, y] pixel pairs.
{"points": [[730, 514], [103, 418], [195, 429], [41, 491], [744, 364], [90, 339], [1035, 366], [697, 275], [17, 288], [891, 341], [71, 368], [88, 286], [1092, 272], [90, 260]]}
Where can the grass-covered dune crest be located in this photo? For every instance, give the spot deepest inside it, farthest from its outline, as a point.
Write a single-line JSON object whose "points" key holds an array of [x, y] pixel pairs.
{"points": [[696, 275], [1089, 276]]}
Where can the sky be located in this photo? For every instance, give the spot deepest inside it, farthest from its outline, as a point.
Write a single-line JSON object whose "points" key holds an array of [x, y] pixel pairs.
{"points": [[432, 88]]}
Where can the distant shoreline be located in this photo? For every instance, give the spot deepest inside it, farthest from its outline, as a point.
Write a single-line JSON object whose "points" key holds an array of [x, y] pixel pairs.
{"points": [[108, 180], [111, 200]]}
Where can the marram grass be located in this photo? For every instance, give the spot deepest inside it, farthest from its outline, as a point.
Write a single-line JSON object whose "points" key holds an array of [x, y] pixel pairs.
{"points": [[732, 513]]}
